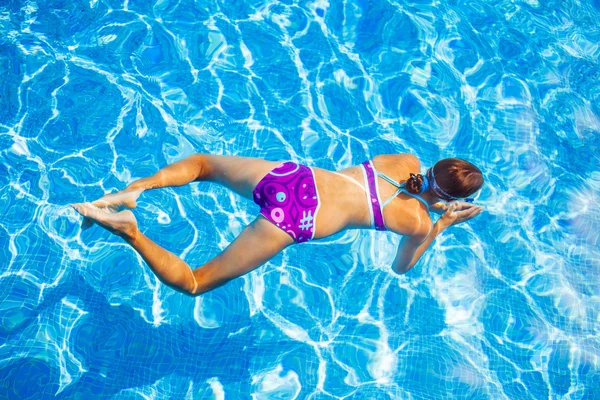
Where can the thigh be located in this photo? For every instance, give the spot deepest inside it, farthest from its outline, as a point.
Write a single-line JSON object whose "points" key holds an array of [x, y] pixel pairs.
{"points": [[240, 174], [258, 243]]}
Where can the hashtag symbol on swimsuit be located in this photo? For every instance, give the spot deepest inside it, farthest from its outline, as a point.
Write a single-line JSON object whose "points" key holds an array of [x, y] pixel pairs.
{"points": [[305, 222]]}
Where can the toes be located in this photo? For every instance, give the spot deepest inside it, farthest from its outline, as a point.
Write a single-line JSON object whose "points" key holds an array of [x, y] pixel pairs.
{"points": [[78, 207], [86, 209], [104, 206], [92, 211], [110, 206]]}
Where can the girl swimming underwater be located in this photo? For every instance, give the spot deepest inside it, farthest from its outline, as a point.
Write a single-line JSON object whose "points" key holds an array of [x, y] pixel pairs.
{"points": [[297, 204]]}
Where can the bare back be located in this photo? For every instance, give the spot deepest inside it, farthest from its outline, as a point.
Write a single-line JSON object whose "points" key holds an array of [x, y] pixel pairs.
{"points": [[344, 202], [343, 198]]}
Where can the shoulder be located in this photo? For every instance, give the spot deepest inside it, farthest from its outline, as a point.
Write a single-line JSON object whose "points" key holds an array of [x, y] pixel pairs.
{"points": [[405, 159], [416, 223]]}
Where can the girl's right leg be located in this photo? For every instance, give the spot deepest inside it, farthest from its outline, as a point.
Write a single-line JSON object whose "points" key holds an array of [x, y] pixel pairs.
{"points": [[258, 242]]}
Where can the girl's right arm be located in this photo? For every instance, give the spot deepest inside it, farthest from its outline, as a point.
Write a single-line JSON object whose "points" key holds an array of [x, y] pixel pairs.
{"points": [[411, 248]]}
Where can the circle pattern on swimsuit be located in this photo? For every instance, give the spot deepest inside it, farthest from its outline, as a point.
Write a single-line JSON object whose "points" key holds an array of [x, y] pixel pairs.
{"points": [[277, 214]]}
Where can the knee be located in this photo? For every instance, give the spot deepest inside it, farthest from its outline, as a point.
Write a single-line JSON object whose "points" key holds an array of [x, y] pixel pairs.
{"points": [[197, 290], [194, 291], [202, 165], [195, 286], [206, 278]]}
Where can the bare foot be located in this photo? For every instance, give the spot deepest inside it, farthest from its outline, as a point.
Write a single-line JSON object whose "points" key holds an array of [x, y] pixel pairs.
{"points": [[116, 201], [122, 223]]}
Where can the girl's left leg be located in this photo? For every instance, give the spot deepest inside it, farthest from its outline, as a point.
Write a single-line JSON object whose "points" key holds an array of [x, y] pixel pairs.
{"points": [[240, 174], [258, 242]]}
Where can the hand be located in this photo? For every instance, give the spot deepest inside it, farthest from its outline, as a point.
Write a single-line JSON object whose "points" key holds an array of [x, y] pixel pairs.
{"points": [[458, 212], [439, 208]]}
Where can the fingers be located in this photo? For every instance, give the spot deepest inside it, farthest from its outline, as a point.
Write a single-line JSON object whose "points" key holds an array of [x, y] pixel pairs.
{"points": [[469, 213], [452, 207], [463, 205]]}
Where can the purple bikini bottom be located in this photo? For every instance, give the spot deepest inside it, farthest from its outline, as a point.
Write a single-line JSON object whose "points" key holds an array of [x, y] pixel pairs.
{"points": [[288, 197]]}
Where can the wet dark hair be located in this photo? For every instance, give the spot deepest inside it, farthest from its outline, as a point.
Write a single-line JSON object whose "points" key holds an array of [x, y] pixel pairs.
{"points": [[457, 178]]}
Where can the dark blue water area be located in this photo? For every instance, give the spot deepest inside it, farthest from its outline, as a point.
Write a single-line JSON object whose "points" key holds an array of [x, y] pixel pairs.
{"points": [[121, 350]]}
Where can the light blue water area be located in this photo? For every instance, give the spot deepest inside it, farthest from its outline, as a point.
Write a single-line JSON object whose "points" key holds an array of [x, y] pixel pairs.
{"points": [[94, 94]]}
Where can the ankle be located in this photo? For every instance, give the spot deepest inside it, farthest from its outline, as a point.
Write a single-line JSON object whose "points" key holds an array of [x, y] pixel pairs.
{"points": [[136, 186], [131, 236]]}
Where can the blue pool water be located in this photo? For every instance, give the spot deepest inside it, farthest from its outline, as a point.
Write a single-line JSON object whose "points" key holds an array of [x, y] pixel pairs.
{"points": [[94, 94]]}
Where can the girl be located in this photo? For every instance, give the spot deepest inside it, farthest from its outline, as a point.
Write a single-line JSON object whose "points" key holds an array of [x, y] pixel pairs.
{"points": [[297, 204]]}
